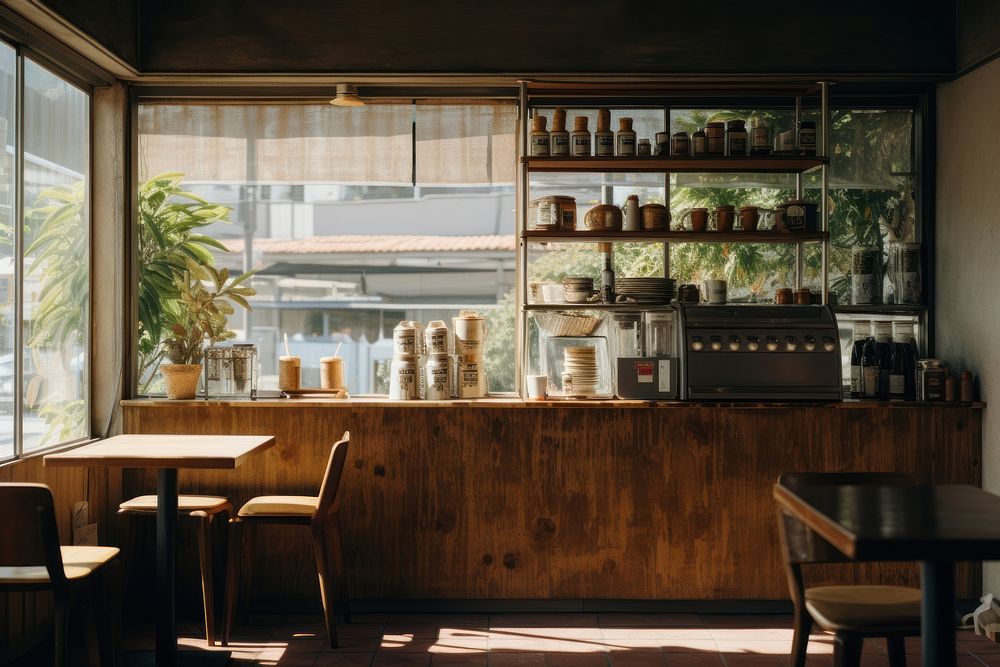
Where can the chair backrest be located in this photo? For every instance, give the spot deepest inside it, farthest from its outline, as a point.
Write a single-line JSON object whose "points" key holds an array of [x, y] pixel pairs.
{"points": [[799, 544], [28, 532], [329, 500]]}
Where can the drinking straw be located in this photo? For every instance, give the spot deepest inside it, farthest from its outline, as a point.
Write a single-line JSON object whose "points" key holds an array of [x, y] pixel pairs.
{"points": [[337, 352], [287, 353]]}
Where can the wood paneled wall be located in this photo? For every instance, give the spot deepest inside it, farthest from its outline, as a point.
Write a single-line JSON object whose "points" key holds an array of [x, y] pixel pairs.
{"points": [[24, 617], [476, 502]]}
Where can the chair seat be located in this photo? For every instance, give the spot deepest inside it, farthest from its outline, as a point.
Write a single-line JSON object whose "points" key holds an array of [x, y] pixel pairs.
{"points": [[296, 506], [78, 562], [185, 503], [864, 608]]}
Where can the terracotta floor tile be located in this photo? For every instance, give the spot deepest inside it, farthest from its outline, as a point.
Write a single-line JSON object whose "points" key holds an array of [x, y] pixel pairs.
{"points": [[747, 621], [547, 645], [629, 620], [750, 660], [344, 660], [694, 660], [978, 645], [406, 644], [688, 645], [353, 645], [456, 660], [752, 634], [541, 632], [633, 645], [383, 659], [544, 620], [576, 660], [517, 660], [638, 660], [747, 647], [656, 633], [432, 630]]}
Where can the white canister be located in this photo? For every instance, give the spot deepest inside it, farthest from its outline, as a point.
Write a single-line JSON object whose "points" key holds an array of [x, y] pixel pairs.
{"points": [[404, 338], [436, 337], [470, 332], [438, 374], [403, 382], [631, 214], [471, 377]]}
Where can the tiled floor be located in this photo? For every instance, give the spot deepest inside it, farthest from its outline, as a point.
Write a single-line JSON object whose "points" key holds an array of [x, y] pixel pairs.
{"points": [[552, 640]]}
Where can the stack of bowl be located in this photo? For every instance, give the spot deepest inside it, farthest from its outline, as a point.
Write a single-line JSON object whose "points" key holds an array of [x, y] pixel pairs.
{"points": [[577, 289]]}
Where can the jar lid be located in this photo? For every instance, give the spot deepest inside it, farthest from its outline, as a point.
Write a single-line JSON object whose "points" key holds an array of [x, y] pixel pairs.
{"points": [[930, 363], [580, 124], [700, 131], [329, 360], [538, 123], [644, 142], [783, 290], [736, 124], [679, 135], [716, 124], [624, 124]]}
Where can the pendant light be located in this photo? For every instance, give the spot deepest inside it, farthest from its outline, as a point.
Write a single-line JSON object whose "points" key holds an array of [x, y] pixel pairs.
{"points": [[347, 96]]}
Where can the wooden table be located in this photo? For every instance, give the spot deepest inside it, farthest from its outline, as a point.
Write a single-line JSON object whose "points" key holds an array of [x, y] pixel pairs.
{"points": [[166, 453], [936, 525]]}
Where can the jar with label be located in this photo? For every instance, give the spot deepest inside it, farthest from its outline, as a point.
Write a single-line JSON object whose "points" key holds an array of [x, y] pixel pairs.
{"points": [[552, 213], [538, 139], [679, 145], [903, 273], [645, 149], [715, 137], [219, 371], [436, 337], [931, 374], [245, 369], [625, 138], [784, 142], [902, 375], [403, 383], [438, 373], [866, 282], [807, 137], [579, 139], [699, 143], [604, 138], [736, 138], [559, 137], [760, 137], [404, 337], [471, 377]]}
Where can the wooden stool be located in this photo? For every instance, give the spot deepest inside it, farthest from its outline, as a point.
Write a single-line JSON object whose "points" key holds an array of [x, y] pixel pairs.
{"points": [[32, 560], [203, 509], [320, 514]]}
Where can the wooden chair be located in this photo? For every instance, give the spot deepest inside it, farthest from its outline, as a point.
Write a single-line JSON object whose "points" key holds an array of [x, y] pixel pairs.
{"points": [[203, 510], [851, 612], [320, 514], [32, 560]]}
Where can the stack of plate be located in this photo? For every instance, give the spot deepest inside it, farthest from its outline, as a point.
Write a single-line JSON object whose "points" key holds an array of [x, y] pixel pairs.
{"points": [[581, 364], [647, 290]]}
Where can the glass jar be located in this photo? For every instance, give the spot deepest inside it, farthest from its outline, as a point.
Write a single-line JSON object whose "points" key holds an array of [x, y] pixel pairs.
{"points": [[679, 145], [866, 282], [903, 273], [807, 137], [736, 138], [628, 335], [699, 143], [715, 135], [660, 341], [244, 369]]}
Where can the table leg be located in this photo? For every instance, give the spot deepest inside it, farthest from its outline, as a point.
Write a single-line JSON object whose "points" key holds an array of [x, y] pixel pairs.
{"points": [[166, 562], [937, 612]]}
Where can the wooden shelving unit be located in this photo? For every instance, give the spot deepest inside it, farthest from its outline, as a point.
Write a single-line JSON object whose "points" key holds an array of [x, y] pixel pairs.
{"points": [[543, 236], [782, 164]]}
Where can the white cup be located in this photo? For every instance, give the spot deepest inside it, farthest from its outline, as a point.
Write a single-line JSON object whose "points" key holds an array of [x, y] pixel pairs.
{"points": [[537, 386], [715, 291]]}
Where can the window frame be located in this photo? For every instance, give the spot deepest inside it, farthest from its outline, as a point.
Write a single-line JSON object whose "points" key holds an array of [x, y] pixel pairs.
{"points": [[39, 59]]}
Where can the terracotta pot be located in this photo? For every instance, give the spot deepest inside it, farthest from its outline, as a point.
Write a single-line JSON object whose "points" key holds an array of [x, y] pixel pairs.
{"points": [[181, 380]]}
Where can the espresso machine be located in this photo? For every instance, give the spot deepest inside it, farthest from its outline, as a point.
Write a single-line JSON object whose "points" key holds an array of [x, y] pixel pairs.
{"points": [[645, 350]]}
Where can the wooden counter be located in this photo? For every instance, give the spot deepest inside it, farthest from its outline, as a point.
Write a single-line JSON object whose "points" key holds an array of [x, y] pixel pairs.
{"points": [[504, 499]]}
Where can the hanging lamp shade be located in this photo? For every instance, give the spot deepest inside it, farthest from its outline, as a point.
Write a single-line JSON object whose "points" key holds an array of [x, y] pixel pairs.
{"points": [[347, 96]]}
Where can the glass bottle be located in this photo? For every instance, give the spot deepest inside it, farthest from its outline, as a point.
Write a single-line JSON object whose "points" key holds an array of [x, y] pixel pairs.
{"points": [[539, 138], [559, 137], [902, 378], [760, 137], [607, 276], [580, 138], [883, 339], [870, 369], [862, 333], [604, 138], [625, 138]]}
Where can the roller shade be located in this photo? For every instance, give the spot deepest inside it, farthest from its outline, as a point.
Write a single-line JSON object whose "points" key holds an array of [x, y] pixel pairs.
{"points": [[467, 144]]}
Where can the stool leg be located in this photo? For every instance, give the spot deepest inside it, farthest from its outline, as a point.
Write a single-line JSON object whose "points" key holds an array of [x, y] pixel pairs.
{"points": [[800, 639], [337, 548], [234, 561], [897, 651], [321, 549], [249, 533], [105, 594], [205, 560], [125, 544], [846, 650], [60, 606]]}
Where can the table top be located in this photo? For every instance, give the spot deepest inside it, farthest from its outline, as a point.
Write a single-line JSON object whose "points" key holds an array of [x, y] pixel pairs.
{"points": [[875, 522], [165, 451]]}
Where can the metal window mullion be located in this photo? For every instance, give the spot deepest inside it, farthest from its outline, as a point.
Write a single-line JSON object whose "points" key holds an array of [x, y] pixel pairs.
{"points": [[520, 224], [18, 225]]}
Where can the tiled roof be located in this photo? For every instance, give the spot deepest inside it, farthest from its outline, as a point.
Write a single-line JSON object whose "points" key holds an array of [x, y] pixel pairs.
{"points": [[319, 245]]}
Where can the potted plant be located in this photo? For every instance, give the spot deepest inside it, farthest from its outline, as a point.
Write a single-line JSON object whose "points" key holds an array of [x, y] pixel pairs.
{"points": [[198, 317]]}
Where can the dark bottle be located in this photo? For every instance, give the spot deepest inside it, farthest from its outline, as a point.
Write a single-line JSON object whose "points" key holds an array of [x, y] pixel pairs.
{"points": [[883, 338], [870, 370], [902, 378], [862, 332], [607, 277]]}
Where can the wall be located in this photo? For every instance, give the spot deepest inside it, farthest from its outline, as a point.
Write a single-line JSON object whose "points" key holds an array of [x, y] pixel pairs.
{"points": [[977, 27], [896, 37], [968, 236]]}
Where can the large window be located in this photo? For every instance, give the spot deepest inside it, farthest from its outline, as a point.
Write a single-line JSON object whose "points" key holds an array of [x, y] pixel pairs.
{"points": [[44, 257], [353, 218]]}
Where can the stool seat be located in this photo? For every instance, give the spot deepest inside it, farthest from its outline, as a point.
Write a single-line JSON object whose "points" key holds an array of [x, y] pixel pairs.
{"points": [[185, 503], [864, 608], [78, 562], [295, 506]]}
